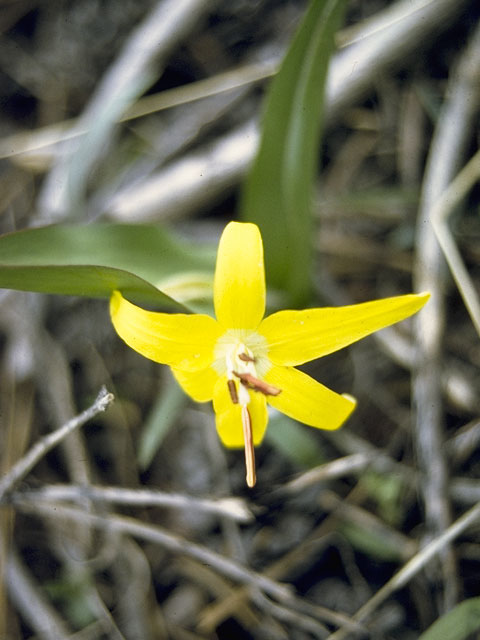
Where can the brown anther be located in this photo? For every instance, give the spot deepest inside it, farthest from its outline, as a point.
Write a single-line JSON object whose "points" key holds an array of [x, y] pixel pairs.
{"points": [[246, 358], [232, 389], [251, 382], [249, 448]]}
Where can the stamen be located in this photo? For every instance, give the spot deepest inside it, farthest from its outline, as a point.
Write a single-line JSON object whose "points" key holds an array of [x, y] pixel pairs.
{"points": [[232, 389], [245, 357], [249, 448], [250, 381]]}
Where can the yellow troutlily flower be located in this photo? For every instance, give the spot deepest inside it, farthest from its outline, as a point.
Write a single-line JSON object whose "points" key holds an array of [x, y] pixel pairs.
{"points": [[241, 360]]}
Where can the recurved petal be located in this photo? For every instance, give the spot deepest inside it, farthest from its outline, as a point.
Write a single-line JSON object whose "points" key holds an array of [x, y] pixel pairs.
{"points": [[239, 285], [197, 384], [179, 340], [306, 400], [228, 416], [295, 337]]}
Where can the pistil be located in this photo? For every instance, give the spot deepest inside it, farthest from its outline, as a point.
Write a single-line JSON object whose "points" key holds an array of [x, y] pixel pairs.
{"points": [[242, 379], [249, 448]]}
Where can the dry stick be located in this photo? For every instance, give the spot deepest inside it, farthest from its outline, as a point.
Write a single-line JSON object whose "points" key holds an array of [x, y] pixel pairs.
{"points": [[48, 442], [347, 79], [458, 387], [134, 70], [330, 471], [464, 105], [382, 43], [54, 381], [49, 357], [465, 441], [412, 567], [44, 138], [35, 609], [366, 454], [445, 205], [465, 491], [24, 314], [234, 508], [462, 491], [404, 546], [296, 620], [175, 544], [301, 620], [216, 585], [451, 138], [229, 604], [174, 190]]}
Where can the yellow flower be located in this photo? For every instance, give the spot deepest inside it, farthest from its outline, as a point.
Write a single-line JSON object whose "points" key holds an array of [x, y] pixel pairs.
{"points": [[241, 360]]}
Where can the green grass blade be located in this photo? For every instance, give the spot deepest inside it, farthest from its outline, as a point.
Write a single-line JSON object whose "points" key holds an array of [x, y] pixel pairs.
{"points": [[162, 416], [298, 444], [457, 624], [278, 189], [94, 260]]}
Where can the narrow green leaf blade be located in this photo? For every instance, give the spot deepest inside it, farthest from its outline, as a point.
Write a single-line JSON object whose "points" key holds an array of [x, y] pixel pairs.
{"points": [[162, 416], [94, 260], [457, 624], [295, 441], [278, 189]]}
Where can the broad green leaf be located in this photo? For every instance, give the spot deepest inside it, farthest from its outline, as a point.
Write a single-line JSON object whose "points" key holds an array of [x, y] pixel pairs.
{"points": [[457, 624], [279, 188], [93, 260]]}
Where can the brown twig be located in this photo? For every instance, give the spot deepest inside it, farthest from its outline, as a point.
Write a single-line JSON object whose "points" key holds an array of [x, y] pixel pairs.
{"points": [[451, 138], [173, 543], [412, 567], [34, 607], [48, 442], [234, 508], [133, 71]]}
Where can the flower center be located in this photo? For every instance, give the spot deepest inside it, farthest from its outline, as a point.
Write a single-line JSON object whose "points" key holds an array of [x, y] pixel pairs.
{"points": [[243, 351], [242, 356]]}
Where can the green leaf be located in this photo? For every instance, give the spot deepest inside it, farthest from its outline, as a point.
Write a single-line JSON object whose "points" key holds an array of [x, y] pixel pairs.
{"points": [[295, 441], [372, 542], [387, 491], [94, 260], [278, 190], [72, 593], [162, 416], [457, 624]]}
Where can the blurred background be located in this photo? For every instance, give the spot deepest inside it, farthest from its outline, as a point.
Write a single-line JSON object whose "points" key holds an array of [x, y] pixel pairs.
{"points": [[146, 112]]}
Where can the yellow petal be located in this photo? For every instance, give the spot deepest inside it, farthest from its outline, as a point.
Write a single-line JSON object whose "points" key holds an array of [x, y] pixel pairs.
{"points": [[308, 401], [197, 384], [239, 285], [179, 340], [295, 337], [228, 416]]}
